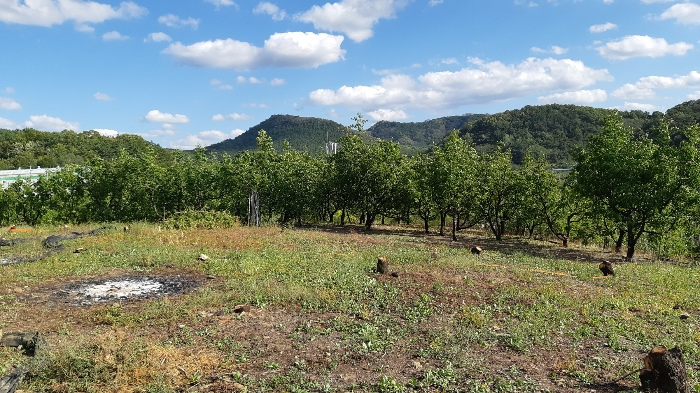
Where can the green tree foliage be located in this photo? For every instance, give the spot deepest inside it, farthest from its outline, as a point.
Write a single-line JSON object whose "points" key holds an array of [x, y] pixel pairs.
{"points": [[642, 183]]}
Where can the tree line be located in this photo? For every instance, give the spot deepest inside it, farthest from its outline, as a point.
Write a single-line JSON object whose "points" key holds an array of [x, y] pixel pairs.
{"points": [[627, 187]]}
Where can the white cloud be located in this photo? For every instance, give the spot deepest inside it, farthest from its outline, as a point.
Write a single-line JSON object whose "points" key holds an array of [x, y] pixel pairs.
{"points": [[218, 117], [694, 96], [54, 12], [602, 28], [433, 3], [9, 90], [293, 49], [225, 87], [102, 97], [252, 80], [114, 36], [7, 124], [683, 13], [635, 106], [167, 126], [204, 138], [274, 11], [239, 116], [483, 83], [106, 132], [175, 21], [388, 115], [158, 37], [83, 28], [355, 18], [641, 46], [449, 61], [557, 50], [222, 3], [155, 116], [643, 89], [48, 123], [9, 104], [277, 82], [579, 97]]}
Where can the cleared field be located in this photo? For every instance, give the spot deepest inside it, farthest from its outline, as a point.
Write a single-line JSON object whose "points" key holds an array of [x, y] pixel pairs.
{"points": [[520, 317]]}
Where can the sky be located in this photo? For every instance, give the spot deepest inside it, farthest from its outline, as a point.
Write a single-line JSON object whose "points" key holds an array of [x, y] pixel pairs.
{"points": [[195, 72]]}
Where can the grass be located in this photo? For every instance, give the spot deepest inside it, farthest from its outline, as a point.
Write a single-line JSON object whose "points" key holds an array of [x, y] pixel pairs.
{"points": [[516, 320]]}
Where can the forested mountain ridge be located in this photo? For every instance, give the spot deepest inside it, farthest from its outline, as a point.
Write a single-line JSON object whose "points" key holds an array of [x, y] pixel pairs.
{"points": [[416, 137], [307, 134], [29, 147], [556, 131]]}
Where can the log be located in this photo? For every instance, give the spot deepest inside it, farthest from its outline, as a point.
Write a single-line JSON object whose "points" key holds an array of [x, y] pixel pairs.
{"points": [[664, 371], [26, 341], [10, 383]]}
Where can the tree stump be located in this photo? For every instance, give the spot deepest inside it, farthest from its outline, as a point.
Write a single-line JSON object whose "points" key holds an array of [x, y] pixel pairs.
{"points": [[476, 250], [664, 371], [382, 265]]}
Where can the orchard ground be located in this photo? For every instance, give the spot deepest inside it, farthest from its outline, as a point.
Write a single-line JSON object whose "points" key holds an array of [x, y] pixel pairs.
{"points": [[524, 316]]}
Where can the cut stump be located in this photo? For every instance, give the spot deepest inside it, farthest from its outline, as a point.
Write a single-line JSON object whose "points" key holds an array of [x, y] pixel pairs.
{"points": [[664, 371]]}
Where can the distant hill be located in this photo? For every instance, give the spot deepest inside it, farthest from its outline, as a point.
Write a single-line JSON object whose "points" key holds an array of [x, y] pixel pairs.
{"points": [[303, 133], [556, 131], [309, 133], [416, 137], [29, 147]]}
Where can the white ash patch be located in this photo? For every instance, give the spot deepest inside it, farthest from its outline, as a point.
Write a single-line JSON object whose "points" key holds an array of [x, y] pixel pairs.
{"points": [[119, 289], [124, 288]]}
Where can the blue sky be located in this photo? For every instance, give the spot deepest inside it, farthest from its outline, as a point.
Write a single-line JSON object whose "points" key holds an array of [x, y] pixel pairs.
{"points": [[182, 73]]}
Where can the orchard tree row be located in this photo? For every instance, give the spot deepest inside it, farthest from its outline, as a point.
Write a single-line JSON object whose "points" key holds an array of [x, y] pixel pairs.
{"points": [[626, 187]]}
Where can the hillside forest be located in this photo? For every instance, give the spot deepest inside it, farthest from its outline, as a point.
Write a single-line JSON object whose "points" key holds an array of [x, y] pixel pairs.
{"points": [[634, 184]]}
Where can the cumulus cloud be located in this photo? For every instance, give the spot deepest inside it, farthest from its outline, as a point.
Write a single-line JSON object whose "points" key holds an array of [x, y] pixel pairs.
{"points": [[156, 116], [683, 13], [102, 97], [158, 37], [293, 49], [204, 138], [9, 90], [54, 12], [218, 117], [388, 115], [239, 116], [602, 28], [277, 82], [354, 18], [114, 36], [557, 50], [158, 133], [175, 21], [106, 132], [222, 3], [480, 84], [449, 61], [83, 28], [7, 124], [641, 46], [274, 11], [579, 97], [48, 123], [694, 96], [9, 104], [644, 88]]}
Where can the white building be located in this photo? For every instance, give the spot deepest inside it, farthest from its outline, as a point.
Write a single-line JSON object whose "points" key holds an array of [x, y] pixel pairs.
{"points": [[32, 174]]}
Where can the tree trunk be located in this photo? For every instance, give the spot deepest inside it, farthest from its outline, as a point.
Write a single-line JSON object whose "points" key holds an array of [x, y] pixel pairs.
{"points": [[664, 371], [425, 223], [369, 220], [454, 227], [442, 223], [342, 218], [620, 239]]}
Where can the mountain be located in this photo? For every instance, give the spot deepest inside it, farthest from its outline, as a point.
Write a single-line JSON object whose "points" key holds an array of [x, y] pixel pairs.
{"points": [[419, 136], [29, 147], [556, 131], [309, 133], [303, 133]]}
